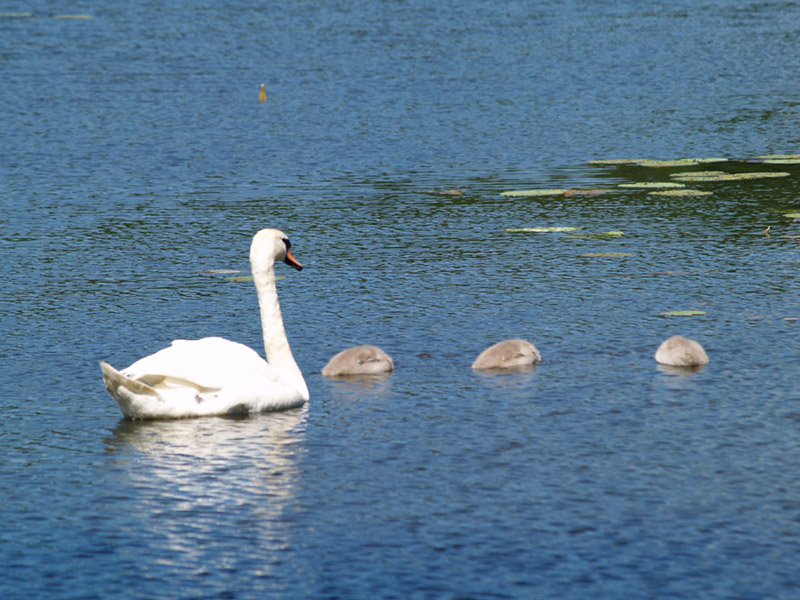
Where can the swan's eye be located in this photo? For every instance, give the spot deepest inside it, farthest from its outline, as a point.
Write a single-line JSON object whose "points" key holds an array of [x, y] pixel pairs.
{"points": [[287, 243]]}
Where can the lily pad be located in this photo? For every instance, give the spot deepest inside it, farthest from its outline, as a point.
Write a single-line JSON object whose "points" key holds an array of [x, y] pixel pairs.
{"points": [[597, 192], [608, 235], [652, 184], [615, 161], [681, 162], [606, 254], [680, 193], [792, 215], [542, 229], [697, 174], [684, 313], [733, 176], [529, 193]]}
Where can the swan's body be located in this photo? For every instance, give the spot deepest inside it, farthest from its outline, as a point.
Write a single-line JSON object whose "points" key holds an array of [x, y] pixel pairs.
{"points": [[214, 376], [679, 351], [508, 354], [359, 360]]}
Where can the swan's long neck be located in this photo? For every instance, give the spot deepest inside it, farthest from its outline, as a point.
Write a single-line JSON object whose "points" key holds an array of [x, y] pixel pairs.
{"points": [[276, 345]]}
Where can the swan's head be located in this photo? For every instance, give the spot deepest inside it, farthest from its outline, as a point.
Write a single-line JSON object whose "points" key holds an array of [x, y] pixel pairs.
{"points": [[270, 246]]}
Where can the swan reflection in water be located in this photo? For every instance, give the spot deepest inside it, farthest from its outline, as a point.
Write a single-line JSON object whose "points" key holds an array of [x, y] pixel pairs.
{"points": [[212, 491]]}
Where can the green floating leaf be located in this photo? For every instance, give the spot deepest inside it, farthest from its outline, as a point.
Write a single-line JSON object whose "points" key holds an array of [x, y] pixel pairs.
{"points": [[616, 161], [13, 15], [792, 215], [72, 16], [680, 193], [597, 192], [240, 278], [681, 162], [597, 236], [697, 174], [529, 193], [733, 176], [542, 229], [652, 184], [606, 254], [683, 313]]}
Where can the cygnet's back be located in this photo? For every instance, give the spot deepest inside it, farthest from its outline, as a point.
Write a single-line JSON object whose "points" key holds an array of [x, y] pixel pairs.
{"points": [[508, 354], [359, 360]]}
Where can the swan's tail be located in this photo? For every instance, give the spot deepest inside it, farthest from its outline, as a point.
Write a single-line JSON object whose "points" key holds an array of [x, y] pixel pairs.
{"points": [[130, 394]]}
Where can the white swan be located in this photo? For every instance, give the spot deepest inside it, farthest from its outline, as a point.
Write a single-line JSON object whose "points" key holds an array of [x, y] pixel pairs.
{"points": [[679, 351], [214, 376], [359, 360], [508, 354]]}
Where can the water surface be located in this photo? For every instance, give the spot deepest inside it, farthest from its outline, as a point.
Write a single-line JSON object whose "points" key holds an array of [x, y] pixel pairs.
{"points": [[136, 156]]}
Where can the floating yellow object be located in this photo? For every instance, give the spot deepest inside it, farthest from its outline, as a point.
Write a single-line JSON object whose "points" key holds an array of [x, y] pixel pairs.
{"points": [[262, 95], [72, 16], [766, 231]]}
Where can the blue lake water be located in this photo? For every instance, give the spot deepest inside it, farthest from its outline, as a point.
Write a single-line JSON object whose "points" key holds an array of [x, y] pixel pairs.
{"points": [[136, 155]]}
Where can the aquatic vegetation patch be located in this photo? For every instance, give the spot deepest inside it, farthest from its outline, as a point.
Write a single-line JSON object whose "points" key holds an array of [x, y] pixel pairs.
{"points": [[697, 174], [607, 235], [685, 192], [795, 215], [570, 192], [532, 193], [652, 184], [615, 161], [684, 313], [541, 229], [596, 192], [732, 176], [648, 162]]}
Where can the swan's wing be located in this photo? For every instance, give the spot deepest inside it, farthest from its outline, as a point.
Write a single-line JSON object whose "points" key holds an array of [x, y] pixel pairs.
{"points": [[208, 364]]}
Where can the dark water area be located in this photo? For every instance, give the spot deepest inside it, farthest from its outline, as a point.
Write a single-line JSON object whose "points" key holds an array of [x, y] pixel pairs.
{"points": [[136, 157]]}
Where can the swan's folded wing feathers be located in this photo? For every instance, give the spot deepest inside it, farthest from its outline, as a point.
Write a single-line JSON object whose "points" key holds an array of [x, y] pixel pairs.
{"points": [[206, 364]]}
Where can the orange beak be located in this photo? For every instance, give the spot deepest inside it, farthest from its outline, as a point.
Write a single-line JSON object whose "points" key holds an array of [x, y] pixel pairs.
{"points": [[292, 261]]}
